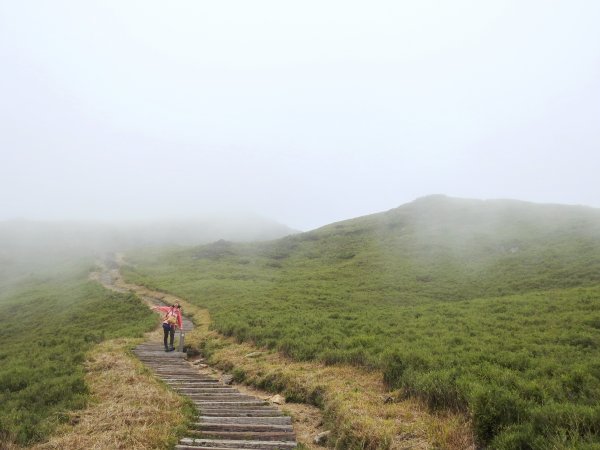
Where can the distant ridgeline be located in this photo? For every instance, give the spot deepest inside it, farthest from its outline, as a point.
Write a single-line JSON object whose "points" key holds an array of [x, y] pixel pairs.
{"points": [[29, 248], [487, 307]]}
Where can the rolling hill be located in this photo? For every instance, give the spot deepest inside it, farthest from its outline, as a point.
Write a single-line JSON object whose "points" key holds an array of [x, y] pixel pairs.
{"points": [[490, 308]]}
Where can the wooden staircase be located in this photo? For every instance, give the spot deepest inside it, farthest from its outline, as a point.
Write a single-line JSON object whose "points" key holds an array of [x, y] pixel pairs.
{"points": [[227, 419]]}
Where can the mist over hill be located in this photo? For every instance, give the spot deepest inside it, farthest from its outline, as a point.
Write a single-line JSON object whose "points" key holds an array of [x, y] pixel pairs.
{"points": [[449, 247], [435, 248], [29, 246]]}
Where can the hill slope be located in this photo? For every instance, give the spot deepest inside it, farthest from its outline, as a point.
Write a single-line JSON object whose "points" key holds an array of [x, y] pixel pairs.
{"points": [[488, 307], [450, 249]]}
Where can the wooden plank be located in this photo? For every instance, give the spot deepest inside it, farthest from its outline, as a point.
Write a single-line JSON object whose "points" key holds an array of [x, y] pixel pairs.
{"points": [[227, 396], [213, 403], [205, 390], [228, 443], [246, 436], [281, 420], [193, 447], [239, 413], [243, 427]]}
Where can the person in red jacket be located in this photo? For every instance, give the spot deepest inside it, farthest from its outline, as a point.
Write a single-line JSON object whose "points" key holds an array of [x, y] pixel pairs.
{"points": [[171, 320]]}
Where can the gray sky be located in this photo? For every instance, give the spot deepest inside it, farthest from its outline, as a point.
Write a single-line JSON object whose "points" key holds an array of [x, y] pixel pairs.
{"points": [[306, 112]]}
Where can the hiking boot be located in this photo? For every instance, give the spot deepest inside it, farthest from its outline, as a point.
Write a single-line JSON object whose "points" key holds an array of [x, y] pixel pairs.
{"points": [[172, 349]]}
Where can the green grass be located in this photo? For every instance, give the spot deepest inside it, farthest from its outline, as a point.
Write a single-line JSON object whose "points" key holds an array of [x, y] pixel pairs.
{"points": [[490, 308], [46, 327]]}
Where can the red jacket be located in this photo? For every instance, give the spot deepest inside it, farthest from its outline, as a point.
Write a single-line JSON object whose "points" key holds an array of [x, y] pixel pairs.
{"points": [[170, 311]]}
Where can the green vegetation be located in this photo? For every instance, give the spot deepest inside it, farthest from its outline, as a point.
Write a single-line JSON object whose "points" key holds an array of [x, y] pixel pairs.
{"points": [[491, 308], [46, 327]]}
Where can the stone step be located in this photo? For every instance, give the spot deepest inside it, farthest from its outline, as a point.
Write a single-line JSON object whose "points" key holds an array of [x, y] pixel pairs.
{"points": [[235, 444]]}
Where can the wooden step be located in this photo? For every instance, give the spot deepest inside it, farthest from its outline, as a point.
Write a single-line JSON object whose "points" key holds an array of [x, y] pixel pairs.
{"points": [[240, 403], [182, 376], [227, 396], [281, 420], [190, 447], [256, 404], [169, 378], [265, 409], [234, 444], [197, 382], [243, 427], [206, 390], [222, 412], [245, 436]]}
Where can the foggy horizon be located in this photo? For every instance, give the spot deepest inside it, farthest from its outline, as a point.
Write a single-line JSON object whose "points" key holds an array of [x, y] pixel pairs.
{"points": [[304, 114], [234, 217]]}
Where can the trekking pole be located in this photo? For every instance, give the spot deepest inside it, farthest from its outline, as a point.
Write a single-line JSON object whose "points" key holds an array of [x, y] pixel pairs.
{"points": [[181, 340]]}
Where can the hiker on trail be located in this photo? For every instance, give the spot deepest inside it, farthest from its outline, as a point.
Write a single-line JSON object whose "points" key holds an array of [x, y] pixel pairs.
{"points": [[171, 320]]}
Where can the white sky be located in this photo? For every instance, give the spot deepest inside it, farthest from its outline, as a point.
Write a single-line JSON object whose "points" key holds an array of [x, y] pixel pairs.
{"points": [[306, 112]]}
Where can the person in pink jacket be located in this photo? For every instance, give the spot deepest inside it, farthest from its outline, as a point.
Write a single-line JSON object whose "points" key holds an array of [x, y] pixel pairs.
{"points": [[171, 320]]}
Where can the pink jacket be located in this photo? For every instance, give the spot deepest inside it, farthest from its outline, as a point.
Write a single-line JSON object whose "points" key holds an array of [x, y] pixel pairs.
{"points": [[170, 309]]}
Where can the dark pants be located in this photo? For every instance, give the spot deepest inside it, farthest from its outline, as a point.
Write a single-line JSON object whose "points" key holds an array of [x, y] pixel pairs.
{"points": [[169, 331]]}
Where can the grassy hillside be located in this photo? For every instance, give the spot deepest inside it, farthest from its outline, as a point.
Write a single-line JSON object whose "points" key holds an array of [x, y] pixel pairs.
{"points": [[46, 327], [50, 315], [486, 307]]}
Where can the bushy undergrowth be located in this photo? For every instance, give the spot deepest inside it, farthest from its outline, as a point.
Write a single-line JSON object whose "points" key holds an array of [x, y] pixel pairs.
{"points": [[488, 308], [46, 327]]}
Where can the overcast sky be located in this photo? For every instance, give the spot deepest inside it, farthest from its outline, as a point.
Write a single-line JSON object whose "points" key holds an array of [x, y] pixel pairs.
{"points": [[305, 112]]}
